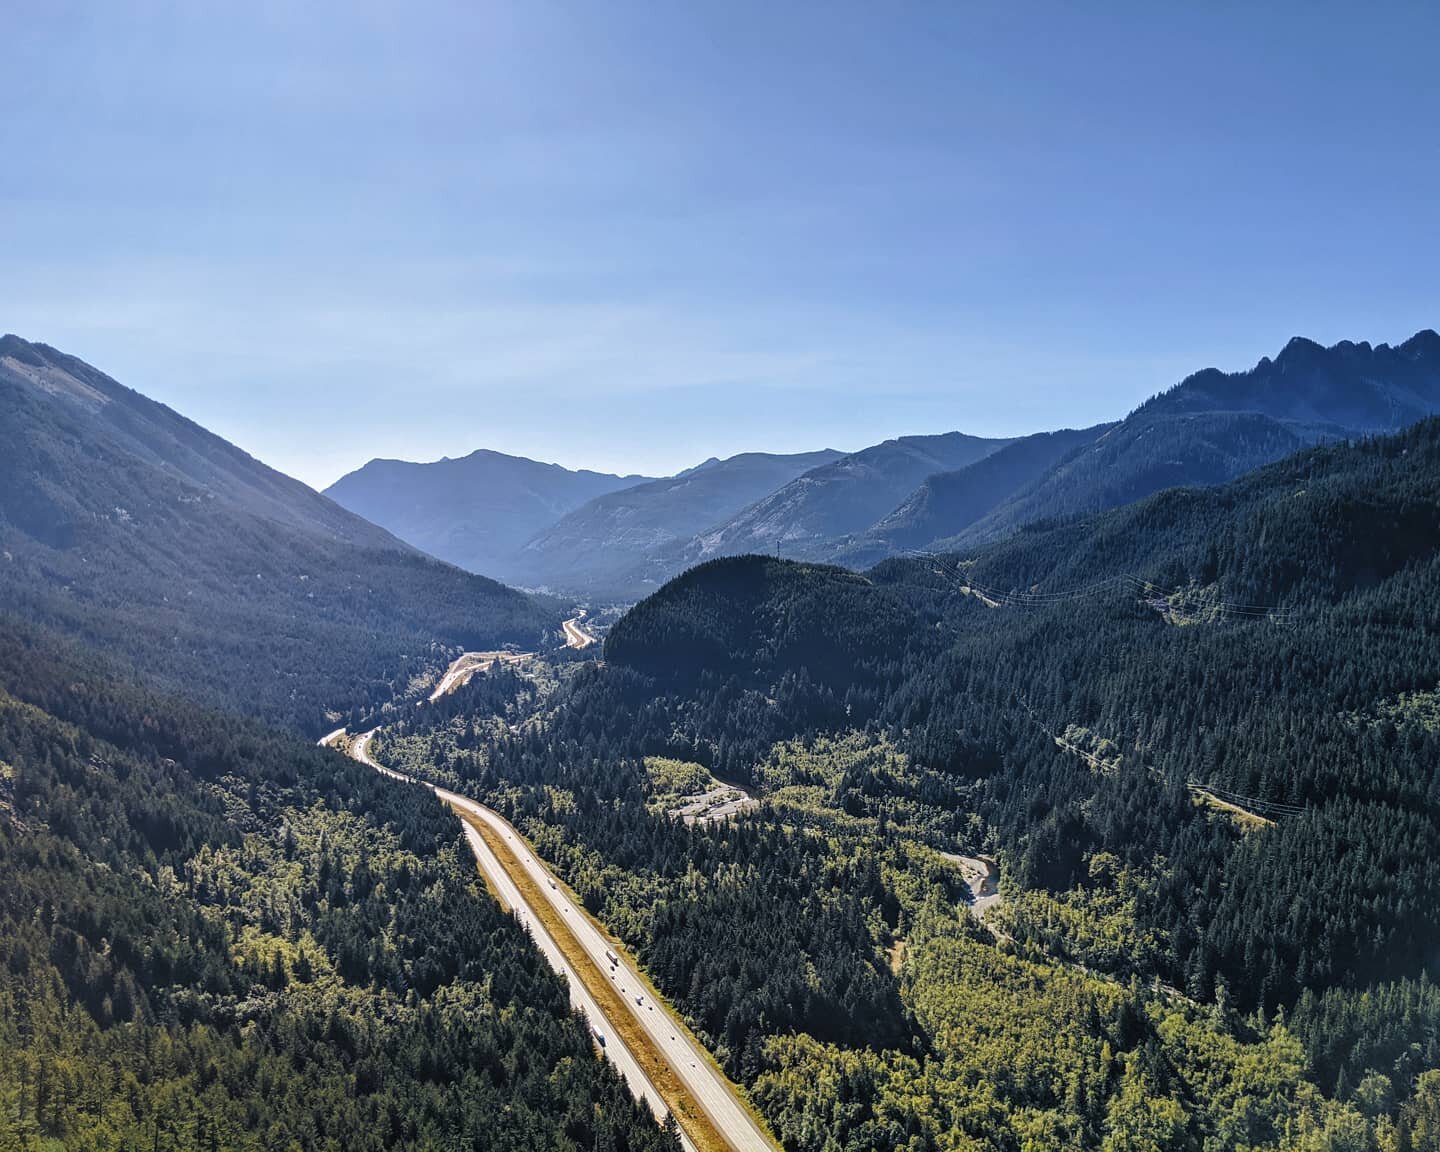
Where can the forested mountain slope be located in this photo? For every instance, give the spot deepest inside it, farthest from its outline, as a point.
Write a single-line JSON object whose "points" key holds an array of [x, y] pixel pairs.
{"points": [[805, 517], [1215, 426], [1277, 638], [472, 512], [129, 526], [57, 404], [215, 936], [1199, 734], [949, 502], [625, 544]]}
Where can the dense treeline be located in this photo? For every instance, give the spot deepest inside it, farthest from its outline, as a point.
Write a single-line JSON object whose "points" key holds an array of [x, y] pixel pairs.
{"points": [[978, 1049], [294, 640], [200, 570], [1278, 638], [214, 936], [748, 927], [1298, 708]]}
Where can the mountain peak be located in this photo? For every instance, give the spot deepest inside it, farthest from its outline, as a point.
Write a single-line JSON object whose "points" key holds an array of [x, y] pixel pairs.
{"points": [[1299, 349], [17, 348], [1426, 342], [473, 511]]}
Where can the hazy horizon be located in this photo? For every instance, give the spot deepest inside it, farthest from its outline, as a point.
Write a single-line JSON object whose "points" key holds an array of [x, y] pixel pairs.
{"points": [[632, 239]]}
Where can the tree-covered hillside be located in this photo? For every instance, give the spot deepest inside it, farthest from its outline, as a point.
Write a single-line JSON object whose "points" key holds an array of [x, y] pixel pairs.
{"points": [[474, 511], [1214, 817], [804, 518], [947, 503], [1200, 734], [214, 936], [1215, 426], [131, 528]]}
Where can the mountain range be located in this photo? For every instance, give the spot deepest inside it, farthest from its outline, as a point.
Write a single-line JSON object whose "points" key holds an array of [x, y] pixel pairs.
{"points": [[103, 485], [939, 492], [127, 526], [632, 541], [1194, 734], [475, 511]]}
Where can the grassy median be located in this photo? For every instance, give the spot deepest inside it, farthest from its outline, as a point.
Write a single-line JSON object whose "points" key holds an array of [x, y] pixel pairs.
{"points": [[692, 1117]]}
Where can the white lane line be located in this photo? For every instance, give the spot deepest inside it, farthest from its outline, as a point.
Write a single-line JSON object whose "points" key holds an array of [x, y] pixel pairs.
{"points": [[615, 1048], [702, 1081]]}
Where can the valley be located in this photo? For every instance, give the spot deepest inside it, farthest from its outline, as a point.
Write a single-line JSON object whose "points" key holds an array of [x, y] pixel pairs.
{"points": [[939, 493], [1031, 835], [580, 951], [720, 577]]}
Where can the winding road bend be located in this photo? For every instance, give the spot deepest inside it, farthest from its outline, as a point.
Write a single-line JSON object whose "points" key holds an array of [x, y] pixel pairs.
{"points": [[575, 634], [467, 664], [667, 1037]]}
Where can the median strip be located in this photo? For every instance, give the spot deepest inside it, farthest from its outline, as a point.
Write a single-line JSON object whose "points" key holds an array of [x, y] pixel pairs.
{"points": [[691, 1117]]}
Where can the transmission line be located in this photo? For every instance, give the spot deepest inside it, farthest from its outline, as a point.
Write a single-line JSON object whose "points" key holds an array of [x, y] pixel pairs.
{"points": [[1156, 597]]}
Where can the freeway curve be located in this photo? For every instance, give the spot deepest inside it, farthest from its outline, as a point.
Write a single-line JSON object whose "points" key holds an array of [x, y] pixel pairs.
{"points": [[575, 634], [467, 664], [705, 1084]]}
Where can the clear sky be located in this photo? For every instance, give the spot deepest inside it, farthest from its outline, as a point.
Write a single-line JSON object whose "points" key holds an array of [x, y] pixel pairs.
{"points": [[632, 235]]}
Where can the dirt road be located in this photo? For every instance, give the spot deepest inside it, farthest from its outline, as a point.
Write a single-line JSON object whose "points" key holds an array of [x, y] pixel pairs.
{"points": [[982, 876]]}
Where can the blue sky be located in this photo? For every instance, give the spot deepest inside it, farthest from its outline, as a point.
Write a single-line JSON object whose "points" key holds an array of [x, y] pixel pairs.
{"points": [[629, 236]]}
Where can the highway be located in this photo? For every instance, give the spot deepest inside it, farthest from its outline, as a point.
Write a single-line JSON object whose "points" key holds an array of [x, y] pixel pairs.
{"points": [[467, 664], [705, 1084], [575, 634]]}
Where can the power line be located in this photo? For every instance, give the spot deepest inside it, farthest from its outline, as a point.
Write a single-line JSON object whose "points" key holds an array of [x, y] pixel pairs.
{"points": [[1254, 805], [1157, 597]]}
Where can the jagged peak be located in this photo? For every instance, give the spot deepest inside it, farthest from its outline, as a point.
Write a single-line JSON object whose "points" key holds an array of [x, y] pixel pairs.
{"points": [[1426, 342], [1300, 347], [18, 348]]}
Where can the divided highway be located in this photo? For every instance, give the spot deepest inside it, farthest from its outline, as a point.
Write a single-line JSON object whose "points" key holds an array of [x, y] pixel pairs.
{"points": [[468, 663], [700, 1079], [575, 634]]}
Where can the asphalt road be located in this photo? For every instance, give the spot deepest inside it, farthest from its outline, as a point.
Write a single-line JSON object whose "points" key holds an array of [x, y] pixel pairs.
{"points": [[706, 1085], [575, 635], [467, 664]]}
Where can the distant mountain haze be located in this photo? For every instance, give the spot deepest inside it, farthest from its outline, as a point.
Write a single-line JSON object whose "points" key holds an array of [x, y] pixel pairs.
{"points": [[950, 491], [847, 495], [630, 541], [120, 424], [473, 511], [948, 502], [1215, 426], [132, 528]]}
